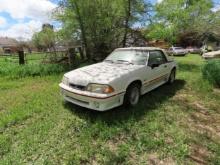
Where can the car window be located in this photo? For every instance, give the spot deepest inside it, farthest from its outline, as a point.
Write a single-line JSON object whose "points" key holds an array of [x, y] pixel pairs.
{"points": [[156, 57]]}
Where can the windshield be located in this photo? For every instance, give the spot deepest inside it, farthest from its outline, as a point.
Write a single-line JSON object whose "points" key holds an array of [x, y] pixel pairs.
{"points": [[128, 56]]}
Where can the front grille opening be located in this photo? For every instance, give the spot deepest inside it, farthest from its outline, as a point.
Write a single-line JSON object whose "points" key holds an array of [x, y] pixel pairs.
{"points": [[79, 87]]}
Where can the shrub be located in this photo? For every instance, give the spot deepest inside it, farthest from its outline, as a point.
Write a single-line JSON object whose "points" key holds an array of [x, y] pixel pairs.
{"points": [[16, 71], [211, 72]]}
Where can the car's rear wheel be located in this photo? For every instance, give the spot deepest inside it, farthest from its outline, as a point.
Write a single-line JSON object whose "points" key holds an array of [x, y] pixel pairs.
{"points": [[132, 95], [172, 76]]}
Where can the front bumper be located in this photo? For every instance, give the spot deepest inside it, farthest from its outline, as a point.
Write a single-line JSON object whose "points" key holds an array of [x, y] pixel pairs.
{"points": [[99, 102]]}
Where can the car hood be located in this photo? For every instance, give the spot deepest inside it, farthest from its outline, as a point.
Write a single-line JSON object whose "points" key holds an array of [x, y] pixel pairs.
{"points": [[102, 73]]}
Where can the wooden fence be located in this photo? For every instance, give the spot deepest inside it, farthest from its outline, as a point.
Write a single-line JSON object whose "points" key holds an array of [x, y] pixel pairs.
{"points": [[38, 57]]}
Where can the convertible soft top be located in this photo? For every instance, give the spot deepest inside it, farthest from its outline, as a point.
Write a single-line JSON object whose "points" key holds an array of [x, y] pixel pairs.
{"points": [[139, 48]]}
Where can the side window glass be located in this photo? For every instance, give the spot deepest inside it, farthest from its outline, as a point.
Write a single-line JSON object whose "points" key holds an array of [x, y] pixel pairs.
{"points": [[162, 57], [156, 57], [152, 58]]}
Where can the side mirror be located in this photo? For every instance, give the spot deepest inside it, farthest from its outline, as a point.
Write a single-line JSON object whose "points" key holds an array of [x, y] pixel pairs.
{"points": [[154, 66]]}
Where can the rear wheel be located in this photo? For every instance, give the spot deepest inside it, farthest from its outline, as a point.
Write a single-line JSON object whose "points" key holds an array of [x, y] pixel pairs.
{"points": [[132, 95], [172, 76]]}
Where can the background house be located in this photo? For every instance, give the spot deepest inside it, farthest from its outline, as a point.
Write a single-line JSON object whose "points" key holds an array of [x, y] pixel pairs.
{"points": [[8, 45], [159, 43]]}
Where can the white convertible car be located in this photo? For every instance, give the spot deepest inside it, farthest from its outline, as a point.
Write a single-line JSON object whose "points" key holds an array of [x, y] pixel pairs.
{"points": [[120, 79]]}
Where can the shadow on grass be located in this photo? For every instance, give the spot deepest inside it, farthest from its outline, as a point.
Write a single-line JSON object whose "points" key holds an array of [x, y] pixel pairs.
{"points": [[148, 102]]}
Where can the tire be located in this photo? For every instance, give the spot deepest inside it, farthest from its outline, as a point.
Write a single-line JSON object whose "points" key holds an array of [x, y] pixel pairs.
{"points": [[172, 76], [132, 95]]}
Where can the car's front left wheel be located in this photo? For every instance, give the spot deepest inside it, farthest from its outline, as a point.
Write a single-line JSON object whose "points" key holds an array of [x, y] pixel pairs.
{"points": [[132, 95]]}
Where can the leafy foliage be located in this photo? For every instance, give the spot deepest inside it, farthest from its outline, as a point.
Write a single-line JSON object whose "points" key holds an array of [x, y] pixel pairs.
{"points": [[174, 18], [211, 72], [44, 39], [101, 25]]}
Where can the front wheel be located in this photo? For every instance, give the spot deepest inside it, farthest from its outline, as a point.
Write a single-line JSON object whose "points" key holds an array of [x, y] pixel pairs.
{"points": [[132, 95], [172, 76]]}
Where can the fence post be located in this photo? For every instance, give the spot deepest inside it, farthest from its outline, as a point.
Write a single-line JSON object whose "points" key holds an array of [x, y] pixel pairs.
{"points": [[21, 57]]}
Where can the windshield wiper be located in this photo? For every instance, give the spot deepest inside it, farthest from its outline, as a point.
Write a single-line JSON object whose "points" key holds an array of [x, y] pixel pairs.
{"points": [[125, 61]]}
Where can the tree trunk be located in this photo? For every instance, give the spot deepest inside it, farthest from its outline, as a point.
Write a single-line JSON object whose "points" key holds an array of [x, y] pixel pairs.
{"points": [[128, 14], [83, 33], [71, 57], [81, 53]]}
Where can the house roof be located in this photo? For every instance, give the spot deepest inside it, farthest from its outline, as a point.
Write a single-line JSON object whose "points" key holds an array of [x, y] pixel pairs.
{"points": [[5, 41]]}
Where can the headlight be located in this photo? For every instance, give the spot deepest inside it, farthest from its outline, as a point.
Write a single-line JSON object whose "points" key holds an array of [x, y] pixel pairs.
{"points": [[99, 88], [65, 80]]}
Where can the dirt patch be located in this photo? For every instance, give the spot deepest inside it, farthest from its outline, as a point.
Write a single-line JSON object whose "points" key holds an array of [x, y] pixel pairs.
{"points": [[199, 154], [198, 106], [216, 91], [181, 99], [201, 121], [150, 159], [153, 159], [114, 143], [205, 122], [112, 146]]}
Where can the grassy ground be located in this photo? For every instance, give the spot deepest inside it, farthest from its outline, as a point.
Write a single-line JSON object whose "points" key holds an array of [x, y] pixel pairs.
{"points": [[177, 124]]}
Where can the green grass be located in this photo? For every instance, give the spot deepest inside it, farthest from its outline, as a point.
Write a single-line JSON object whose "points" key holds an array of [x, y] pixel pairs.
{"points": [[9, 66], [16, 71], [176, 123]]}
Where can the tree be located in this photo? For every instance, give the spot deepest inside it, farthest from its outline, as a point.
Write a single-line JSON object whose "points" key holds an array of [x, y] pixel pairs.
{"points": [[176, 18], [45, 39], [135, 12], [101, 25]]}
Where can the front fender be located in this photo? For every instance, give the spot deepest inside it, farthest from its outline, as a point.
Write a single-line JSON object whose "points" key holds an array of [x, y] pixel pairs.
{"points": [[122, 83]]}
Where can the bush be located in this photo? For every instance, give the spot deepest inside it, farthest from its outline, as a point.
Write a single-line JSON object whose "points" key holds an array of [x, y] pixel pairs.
{"points": [[211, 72], [16, 71]]}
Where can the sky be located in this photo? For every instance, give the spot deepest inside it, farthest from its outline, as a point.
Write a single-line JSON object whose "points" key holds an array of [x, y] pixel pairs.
{"points": [[21, 18]]}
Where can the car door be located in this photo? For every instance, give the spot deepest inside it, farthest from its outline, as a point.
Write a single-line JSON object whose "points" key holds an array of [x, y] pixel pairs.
{"points": [[158, 68]]}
